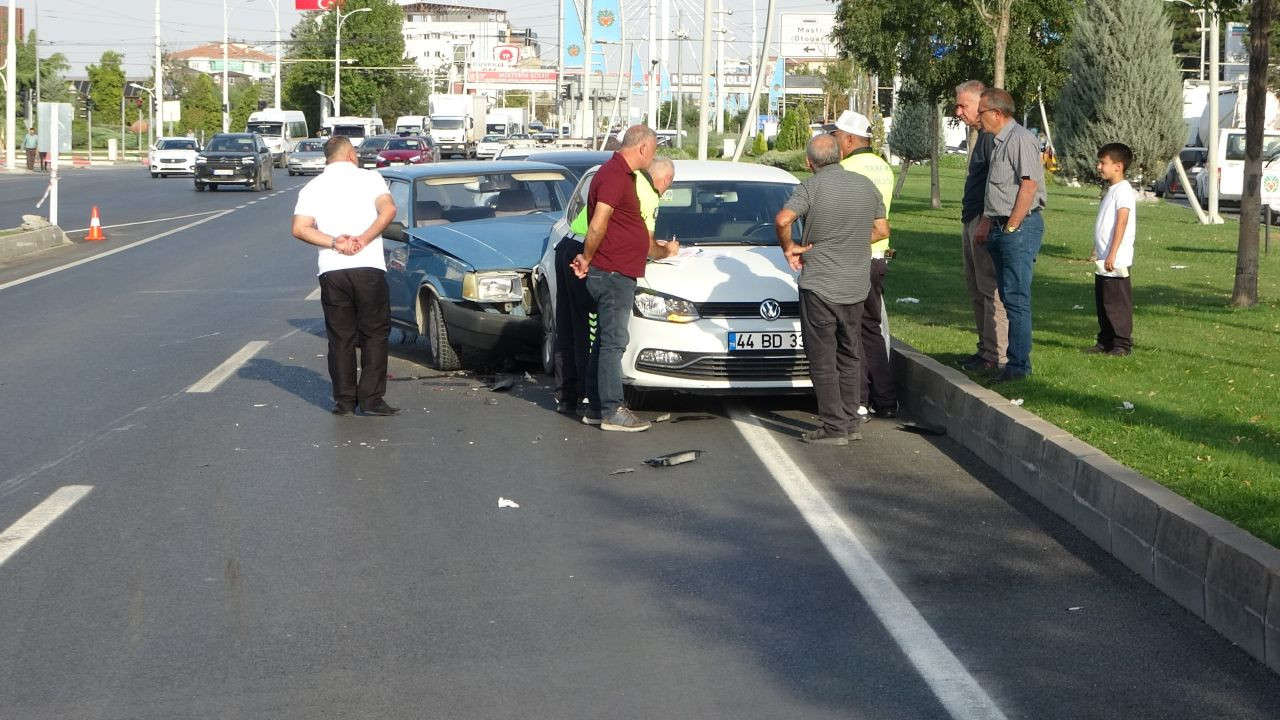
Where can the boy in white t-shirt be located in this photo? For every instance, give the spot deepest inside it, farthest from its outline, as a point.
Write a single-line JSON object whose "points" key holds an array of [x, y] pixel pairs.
{"points": [[1113, 235]]}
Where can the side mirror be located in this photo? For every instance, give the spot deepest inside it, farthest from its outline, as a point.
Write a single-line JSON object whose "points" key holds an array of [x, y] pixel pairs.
{"points": [[395, 231]]}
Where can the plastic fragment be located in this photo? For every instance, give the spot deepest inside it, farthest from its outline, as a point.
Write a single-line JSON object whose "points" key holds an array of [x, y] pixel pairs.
{"points": [[1126, 405], [911, 300], [675, 458], [622, 471], [490, 401], [663, 417], [1177, 267], [505, 503], [1077, 307], [502, 383], [1017, 402]]}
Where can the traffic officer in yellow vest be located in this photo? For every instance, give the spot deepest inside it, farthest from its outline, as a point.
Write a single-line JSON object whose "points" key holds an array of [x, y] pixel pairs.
{"points": [[878, 392]]}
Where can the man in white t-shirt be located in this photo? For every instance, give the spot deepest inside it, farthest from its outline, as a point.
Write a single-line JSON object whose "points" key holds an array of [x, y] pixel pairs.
{"points": [[343, 211], [1113, 235]]}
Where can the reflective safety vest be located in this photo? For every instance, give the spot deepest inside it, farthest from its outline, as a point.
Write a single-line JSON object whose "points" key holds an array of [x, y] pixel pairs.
{"points": [[648, 197], [874, 168]]}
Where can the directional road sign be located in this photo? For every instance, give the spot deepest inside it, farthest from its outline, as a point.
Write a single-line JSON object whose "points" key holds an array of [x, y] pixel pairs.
{"points": [[807, 35]]}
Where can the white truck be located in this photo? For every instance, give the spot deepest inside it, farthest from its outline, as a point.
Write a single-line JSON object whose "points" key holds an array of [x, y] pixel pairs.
{"points": [[413, 125], [506, 121], [454, 120], [1231, 137], [355, 128]]}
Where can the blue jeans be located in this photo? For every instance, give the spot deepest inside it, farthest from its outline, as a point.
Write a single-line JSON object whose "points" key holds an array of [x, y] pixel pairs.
{"points": [[615, 295], [1014, 257]]}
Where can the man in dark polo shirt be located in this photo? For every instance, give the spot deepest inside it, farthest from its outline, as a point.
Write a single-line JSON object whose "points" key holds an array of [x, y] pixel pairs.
{"points": [[614, 254], [843, 215]]}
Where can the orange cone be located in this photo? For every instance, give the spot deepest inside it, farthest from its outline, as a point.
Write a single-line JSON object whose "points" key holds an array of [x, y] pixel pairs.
{"points": [[95, 227]]}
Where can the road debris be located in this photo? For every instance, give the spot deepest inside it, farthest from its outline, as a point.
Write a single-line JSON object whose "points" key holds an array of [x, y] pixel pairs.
{"points": [[505, 503], [622, 471], [1126, 405], [909, 300], [1077, 307], [663, 417], [675, 458], [501, 383], [490, 401], [1177, 267], [1016, 401]]}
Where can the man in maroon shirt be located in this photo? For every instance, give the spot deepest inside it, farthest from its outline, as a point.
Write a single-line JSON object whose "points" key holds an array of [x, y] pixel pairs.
{"points": [[613, 256]]}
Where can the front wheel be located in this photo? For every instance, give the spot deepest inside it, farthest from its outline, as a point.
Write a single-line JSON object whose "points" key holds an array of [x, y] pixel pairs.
{"points": [[199, 187], [443, 355], [548, 332]]}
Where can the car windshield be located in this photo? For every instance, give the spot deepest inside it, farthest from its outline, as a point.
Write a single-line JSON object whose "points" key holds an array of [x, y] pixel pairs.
{"points": [[1235, 146], [310, 146], [491, 138], [373, 144], [475, 197], [403, 145], [447, 123], [721, 212], [231, 144], [349, 130], [178, 145], [265, 128]]}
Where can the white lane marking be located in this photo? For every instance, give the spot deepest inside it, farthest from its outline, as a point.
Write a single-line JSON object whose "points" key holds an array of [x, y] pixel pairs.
{"points": [[951, 683], [109, 253], [145, 222], [211, 381], [241, 207], [252, 202], [315, 294], [41, 516]]}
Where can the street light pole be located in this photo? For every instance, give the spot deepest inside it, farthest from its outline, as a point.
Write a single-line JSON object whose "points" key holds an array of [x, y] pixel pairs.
{"points": [[159, 96], [337, 55], [703, 101], [151, 97], [11, 87], [1211, 167]]}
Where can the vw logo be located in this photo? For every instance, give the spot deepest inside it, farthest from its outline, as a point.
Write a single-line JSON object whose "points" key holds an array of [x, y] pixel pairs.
{"points": [[770, 309]]}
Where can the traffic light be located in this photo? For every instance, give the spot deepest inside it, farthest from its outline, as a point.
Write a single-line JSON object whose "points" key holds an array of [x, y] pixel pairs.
{"points": [[566, 91]]}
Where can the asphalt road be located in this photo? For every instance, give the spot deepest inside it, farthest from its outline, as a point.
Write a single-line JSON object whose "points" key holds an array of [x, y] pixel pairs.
{"points": [[241, 553]]}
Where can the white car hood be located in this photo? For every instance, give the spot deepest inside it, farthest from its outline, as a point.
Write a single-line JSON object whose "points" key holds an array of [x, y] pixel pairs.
{"points": [[175, 154], [723, 274]]}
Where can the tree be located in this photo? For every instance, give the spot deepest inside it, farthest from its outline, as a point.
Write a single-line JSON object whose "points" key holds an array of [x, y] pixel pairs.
{"points": [[201, 104], [106, 81], [913, 137], [1123, 87], [997, 14], [52, 68], [793, 131], [1245, 291], [244, 100], [369, 40]]}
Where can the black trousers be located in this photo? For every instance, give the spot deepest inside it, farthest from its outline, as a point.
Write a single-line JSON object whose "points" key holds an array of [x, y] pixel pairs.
{"points": [[574, 307], [357, 311], [877, 388], [831, 344], [1113, 297]]}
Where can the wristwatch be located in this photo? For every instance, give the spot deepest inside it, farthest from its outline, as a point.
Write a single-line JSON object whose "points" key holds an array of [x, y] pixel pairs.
{"points": [[333, 243]]}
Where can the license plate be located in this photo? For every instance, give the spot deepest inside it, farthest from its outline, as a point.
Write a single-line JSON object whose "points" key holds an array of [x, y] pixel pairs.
{"points": [[739, 341], [223, 172]]}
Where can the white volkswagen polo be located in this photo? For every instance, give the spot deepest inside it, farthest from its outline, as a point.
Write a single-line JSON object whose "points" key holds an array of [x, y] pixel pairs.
{"points": [[722, 317]]}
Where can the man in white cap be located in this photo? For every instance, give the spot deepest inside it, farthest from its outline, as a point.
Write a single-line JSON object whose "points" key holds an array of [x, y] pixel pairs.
{"points": [[878, 391]]}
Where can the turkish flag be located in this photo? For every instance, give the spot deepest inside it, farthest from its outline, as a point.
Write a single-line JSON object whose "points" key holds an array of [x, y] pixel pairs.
{"points": [[314, 4]]}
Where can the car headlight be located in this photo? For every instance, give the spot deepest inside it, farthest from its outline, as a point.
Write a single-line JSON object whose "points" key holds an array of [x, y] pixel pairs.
{"points": [[248, 160], [200, 159], [656, 306], [492, 287]]}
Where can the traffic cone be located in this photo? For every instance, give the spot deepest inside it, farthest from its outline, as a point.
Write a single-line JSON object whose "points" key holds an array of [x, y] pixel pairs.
{"points": [[95, 227]]}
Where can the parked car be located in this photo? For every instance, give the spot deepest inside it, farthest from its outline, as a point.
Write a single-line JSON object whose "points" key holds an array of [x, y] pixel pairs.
{"points": [[307, 157], [545, 137], [1193, 160], [372, 146], [235, 159], [173, 156], [489, 147], [461, 252], [723, 316], [577, 162]]}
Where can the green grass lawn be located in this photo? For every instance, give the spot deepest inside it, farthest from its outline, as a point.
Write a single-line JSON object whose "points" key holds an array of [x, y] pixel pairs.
{"points": [[1202, 378]]}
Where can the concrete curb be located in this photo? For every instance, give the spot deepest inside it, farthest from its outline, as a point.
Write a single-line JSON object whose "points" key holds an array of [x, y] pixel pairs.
{"points": [[1227, 577], [12, 246]]}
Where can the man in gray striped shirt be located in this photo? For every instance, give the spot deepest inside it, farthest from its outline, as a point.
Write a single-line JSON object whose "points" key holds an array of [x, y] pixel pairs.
{"points": [[843, 214]]}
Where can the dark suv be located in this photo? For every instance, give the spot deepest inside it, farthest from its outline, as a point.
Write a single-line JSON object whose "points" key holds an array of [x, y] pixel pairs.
{"points": [[235, 159], [371, 147]]}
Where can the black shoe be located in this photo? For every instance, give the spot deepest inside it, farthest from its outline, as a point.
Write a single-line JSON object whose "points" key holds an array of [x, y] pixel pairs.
{"points": [[887, 414], [1007, 375], [1119, 352], [975, 363], [382, 408], [343, 410], [1096, 350], [567, 407], [822, 436]]}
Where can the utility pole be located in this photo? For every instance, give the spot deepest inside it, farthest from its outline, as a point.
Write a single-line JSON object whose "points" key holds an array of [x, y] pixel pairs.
{"points": [[588, 124], [651, 111], [705, 100], [159, 87], [11, 87]]}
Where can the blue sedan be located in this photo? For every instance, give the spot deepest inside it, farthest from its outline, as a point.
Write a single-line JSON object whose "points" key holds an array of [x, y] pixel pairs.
{"points": [[461, 251]]}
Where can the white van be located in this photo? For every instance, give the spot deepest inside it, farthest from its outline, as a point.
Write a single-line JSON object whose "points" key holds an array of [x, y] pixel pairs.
{"points": [[356, 128], [1231, 163], [281, 129], [413, 125]]}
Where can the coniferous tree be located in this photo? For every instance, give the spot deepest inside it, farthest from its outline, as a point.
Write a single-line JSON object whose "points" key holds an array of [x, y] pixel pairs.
{"points": [[911, 138], [1123, 86]]}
